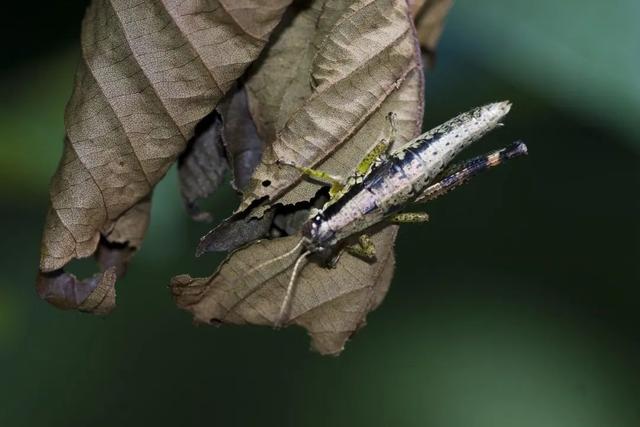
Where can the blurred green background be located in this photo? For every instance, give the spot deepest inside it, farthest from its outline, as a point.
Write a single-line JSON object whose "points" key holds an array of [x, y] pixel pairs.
{"points": [[533, 323]]}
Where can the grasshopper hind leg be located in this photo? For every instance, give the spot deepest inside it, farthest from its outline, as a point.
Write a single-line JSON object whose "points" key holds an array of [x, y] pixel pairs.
{"points": [[460, 173], [409, 217], [336, 182]]}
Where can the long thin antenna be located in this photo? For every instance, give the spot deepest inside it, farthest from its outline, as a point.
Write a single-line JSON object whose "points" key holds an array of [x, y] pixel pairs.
{"points": [[253, 270], [269, 262], [287, 297]]}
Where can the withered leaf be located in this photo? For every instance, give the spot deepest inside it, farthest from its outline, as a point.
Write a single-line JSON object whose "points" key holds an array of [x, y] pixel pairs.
{"points": [[239, 230], [323, 88], [96, 294], [150, 70], [429, 16], [331, 304], [115, 249], [240, 136], [231, 234], [201, 167], [319, 96], [229, 138]]}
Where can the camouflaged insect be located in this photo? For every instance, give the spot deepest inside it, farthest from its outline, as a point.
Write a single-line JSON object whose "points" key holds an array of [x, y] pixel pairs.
{"points": [[384, 184]]}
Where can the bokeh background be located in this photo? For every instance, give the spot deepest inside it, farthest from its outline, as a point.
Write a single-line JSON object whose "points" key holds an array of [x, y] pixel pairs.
{"points": [[517, 305]]}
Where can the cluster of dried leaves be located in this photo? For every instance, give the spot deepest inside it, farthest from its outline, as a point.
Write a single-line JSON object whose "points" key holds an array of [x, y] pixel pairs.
{"points": [[233, 85]]}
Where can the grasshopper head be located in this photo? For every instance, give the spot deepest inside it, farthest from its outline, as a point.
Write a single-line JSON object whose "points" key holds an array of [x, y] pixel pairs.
{"points": [[317, 233]]}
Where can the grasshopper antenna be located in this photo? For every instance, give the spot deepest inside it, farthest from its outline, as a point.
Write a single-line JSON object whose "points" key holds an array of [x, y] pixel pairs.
{"points": [[290, 288], [256, 268], [271, 261]]}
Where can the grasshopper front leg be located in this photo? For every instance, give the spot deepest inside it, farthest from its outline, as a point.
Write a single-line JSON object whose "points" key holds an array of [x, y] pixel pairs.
{"points": [[366, 249], [336, 182]]}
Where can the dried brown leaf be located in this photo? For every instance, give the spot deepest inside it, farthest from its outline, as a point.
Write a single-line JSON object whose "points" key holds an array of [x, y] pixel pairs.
{"points": [[229, 139], [231, 234], [201, 167], [331, 304], [240, 137], [319, 96], [96, 295], [322, 90], [150, 70], [429, 16]]}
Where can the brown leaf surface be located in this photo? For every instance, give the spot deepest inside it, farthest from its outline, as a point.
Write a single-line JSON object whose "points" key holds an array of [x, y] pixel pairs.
{"points": [[226, 138], [429, 16], [331, 304], [202, 166], [322, 90], [244, 145], [319, 96], [96, 294], [150, 70], [231, 234]]}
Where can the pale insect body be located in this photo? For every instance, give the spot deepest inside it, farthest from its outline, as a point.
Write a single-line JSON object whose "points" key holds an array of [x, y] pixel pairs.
{"points": [[385, 184], [402, 177]]}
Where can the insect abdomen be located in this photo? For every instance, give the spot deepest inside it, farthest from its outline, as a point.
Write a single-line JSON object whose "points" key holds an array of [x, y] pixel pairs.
{"points": [[434, 150], [408, 171]]}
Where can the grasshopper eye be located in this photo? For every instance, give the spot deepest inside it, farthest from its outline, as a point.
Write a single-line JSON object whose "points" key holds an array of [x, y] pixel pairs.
{"points": [[316, 223]]}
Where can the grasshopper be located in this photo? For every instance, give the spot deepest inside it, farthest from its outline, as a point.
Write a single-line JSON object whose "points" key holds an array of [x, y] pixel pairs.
{"points": [[385, 183]]}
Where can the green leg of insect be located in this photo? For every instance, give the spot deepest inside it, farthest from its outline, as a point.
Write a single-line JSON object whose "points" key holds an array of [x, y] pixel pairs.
{"points": [[380, 149], [364, 248], [375, 155], [408, 217], [336, 182]]}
